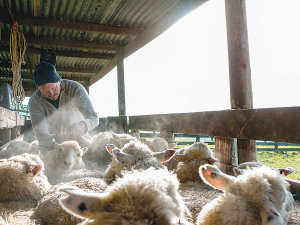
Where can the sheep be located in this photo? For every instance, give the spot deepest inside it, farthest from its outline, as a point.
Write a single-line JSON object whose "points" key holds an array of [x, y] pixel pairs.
{"points": [[66, 157], [248, 165], [134, 155], [158, 144], [258, 196], [18, 148], [50, 212], [22, 178], [190, 159], [97, 157], [146, 197]]}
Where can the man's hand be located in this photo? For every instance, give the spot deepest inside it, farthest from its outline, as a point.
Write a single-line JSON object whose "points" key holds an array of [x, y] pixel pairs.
{"points": [[75, 130]]}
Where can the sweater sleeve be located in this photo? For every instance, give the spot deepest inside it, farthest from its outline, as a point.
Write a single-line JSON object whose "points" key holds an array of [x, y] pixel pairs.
{"points": [[39, 123], [84, 105]]}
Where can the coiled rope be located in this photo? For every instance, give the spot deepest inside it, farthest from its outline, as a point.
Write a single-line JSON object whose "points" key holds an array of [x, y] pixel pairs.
{"points": [[17, 52]]}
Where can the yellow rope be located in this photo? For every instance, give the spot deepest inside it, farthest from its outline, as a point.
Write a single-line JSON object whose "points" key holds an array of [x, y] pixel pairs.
{"points": [[17, 52]]}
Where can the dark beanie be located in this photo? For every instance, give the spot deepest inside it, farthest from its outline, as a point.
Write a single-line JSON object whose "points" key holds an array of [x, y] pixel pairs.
{"points": [[45, 73]]}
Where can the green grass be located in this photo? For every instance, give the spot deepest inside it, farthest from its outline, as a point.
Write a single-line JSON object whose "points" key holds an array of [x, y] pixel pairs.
{"points": [[281, 160]]}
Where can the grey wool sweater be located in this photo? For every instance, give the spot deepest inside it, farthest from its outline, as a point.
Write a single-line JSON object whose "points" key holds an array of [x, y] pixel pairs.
{"points": [[74, 106]]}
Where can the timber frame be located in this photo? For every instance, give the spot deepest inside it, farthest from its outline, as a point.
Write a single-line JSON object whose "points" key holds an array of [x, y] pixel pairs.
{"points": [[109, 43]]}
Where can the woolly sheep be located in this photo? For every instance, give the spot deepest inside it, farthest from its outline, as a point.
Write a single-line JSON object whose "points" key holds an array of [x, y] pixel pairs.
{"points": [[158, 144], [134, 155], [146, 197], [258, 196], [22, 178], [18, 148], [66, 157], [97, 157], [50, 212], [249, 165], [190, 159]]}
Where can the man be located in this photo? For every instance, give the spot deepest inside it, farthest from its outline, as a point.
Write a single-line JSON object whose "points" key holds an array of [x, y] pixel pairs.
{"points": [[60, 110]]}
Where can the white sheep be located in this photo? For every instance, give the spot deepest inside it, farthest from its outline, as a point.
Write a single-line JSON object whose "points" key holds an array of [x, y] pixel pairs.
{"points": [[22, 178], [190, 159], [50, 212], [18, 148], [258, 196], [134, 155], [250, 165], [146, 197], [158, 144], [97, 157], [66, 157]]}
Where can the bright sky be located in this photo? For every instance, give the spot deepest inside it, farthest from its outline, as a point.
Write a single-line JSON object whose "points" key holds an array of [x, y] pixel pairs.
{"points": [[186, 68]]}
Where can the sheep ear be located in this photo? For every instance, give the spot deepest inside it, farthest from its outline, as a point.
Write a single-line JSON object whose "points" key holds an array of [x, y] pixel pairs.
{"points": [[180, 157], [212, 160], [143, 140], [215, 178], [270, 216], [164, 156], [287, 171], [237, 171], [80, 203], [172, 145], [84, 150], [136, 135], [115, 136], [123, 158], [34, 170], [110, 148]]}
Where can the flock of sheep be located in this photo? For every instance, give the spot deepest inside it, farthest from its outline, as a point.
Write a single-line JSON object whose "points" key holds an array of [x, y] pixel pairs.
{"points": [[122, 179]]}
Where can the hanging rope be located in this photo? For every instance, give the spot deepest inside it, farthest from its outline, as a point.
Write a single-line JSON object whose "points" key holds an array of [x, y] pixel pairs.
{"points": [[17, 52]]}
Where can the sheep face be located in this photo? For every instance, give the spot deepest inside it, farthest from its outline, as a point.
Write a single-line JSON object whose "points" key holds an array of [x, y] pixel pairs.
{"points": [[22, 178], [134, 155], [155, 194], [258, 195], [190, 159], [69, 155]]}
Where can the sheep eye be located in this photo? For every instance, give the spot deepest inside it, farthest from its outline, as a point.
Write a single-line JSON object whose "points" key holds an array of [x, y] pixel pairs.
{"points": [[60, 150], [213, 175], [78, 155]]}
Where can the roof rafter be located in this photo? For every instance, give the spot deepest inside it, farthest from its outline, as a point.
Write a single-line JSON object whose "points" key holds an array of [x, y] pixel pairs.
{"points": [[66, 53], [79, 26]]}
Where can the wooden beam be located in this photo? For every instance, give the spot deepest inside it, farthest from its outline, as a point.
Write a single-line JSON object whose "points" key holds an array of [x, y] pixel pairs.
{"points": [[37, 51], [121, 82], [77, 26], [92, 45], [239, 69], [165, 22], [60, 69], [272, 124]]}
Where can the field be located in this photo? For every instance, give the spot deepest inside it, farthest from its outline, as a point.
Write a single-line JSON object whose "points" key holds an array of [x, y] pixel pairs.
{"points": [[281, 159]]}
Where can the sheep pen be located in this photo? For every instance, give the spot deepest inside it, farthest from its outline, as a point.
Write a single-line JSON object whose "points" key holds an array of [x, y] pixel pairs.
{"points": [[194, 193]]}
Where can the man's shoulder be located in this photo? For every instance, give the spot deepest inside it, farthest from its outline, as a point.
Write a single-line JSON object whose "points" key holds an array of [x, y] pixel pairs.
{"points": [[36, 95]]}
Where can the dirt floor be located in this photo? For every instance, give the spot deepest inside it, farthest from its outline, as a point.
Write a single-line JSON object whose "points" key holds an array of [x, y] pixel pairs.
{"points": [[195, 196]]}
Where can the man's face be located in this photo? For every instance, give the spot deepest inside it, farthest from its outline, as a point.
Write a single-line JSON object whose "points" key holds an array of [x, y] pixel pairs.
{"points": [[50, 90]]}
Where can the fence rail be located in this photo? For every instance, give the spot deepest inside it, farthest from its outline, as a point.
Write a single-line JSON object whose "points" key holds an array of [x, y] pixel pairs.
{"points": [[210, 140]]}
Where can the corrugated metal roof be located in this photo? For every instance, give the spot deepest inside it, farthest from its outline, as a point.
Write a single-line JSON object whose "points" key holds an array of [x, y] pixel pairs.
{"points": [[138, 14]]}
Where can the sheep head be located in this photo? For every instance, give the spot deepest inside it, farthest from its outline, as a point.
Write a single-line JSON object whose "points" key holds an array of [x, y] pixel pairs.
{"points": [[69, 155]]}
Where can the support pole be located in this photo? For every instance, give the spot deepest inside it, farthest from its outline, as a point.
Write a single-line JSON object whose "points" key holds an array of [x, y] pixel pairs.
{"points": [[239, 69], [121, 86]]}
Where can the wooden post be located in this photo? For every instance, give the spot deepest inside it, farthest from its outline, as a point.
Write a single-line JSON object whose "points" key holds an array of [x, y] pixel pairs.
{"points": [[239, 69], [121, 86], [223, 152], [87, 85]]}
